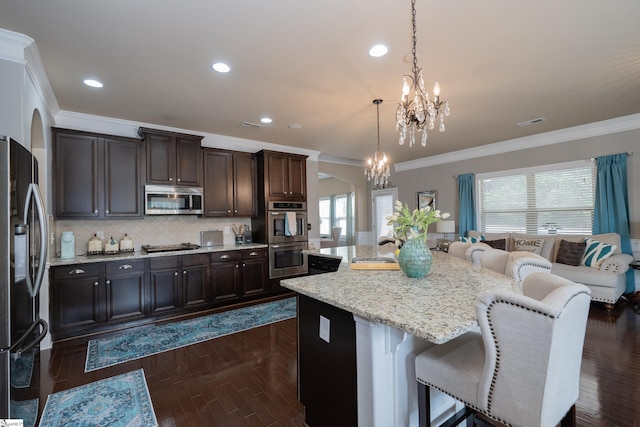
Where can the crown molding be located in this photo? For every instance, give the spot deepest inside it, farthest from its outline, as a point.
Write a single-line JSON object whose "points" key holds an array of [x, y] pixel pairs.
{"points": [[12, 46], [605, 127], [111, 126], [341, 160]]}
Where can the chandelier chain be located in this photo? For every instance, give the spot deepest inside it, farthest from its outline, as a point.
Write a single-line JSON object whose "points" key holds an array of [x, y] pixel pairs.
{"points": [[415, 41]]}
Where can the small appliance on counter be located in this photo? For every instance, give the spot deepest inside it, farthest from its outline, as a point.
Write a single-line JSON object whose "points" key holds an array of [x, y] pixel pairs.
{"points": [[67, 245], [95, 245], [211, 238]]}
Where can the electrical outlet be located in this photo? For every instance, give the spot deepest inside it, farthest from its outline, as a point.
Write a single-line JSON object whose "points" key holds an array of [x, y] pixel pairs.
{"points": [[325, 328], [100, 234]]}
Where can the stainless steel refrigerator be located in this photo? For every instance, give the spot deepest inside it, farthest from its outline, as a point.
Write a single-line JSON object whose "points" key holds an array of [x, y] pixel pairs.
{"points": [[23, 255]]}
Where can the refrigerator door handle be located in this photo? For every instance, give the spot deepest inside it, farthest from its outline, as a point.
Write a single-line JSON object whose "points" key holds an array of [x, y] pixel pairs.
{"points": [[16, 349], [33, 190]]}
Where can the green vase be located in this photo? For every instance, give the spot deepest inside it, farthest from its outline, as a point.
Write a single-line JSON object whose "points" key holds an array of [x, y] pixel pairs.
{"points": [[415, 258]]}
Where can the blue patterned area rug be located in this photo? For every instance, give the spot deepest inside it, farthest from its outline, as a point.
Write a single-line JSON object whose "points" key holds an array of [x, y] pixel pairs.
{"points": [[25, 410], [120, 401], [104, 352]]}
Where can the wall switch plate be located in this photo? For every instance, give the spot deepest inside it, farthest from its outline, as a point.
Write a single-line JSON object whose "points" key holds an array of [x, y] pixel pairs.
{"points": [[325, 328]]}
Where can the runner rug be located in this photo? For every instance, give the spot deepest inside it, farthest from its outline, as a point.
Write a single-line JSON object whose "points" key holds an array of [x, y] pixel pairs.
{"points": [[120, 401], [104, 352]]}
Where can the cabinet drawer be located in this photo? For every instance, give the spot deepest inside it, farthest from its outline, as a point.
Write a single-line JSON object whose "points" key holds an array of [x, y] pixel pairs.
{"points": [[124, 267], [197, 259], [75, 271], [225, 256], [163, 263], [254, 253]]}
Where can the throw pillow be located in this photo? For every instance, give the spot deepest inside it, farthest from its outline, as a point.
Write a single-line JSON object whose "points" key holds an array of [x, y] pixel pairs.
{"points": [[526, 245], [596, 252], [570, 253], [496, 244], [472, 239]]}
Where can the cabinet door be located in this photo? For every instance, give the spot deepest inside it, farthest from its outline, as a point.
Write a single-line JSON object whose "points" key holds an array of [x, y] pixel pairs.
{"points": [[76, 175], [277, 170], [123, 183], [164, 285], [161, 161], [297, 166], [188, 161], [218, 183], [196, 289], [254, 275], [125, 290], [75, 299], [244, 179], [225, 275]]}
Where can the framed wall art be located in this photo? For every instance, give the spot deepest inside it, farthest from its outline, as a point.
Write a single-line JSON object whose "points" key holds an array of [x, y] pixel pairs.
{"points": [[427, 198]]}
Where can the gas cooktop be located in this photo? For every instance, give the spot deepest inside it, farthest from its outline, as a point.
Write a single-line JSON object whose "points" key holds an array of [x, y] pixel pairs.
{"points": [[169, 248]]}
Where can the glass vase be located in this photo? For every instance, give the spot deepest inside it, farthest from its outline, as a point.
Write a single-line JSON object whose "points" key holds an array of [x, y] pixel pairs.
{"points": [[415, 258]]}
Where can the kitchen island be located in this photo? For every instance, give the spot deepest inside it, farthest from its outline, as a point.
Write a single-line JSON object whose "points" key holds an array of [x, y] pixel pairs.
{"points": [[394, 319]]}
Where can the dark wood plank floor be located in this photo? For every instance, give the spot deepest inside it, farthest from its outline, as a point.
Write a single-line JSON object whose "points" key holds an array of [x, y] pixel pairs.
{"points": [[249, 378]]}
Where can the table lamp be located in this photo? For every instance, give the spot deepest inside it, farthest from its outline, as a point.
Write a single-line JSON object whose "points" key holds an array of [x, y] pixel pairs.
{"points": [[445, 227]]}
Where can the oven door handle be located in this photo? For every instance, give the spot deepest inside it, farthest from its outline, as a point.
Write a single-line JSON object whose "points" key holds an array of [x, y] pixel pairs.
{"points": [[275, 246]]}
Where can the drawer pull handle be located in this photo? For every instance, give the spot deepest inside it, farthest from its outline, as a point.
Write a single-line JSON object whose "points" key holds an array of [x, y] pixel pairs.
{"points": [[253, 254], [77, 271], [224, 257], [125, 267]]}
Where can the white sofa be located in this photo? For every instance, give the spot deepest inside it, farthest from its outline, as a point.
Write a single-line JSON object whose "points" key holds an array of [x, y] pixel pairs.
{"points": [[607, 283]]}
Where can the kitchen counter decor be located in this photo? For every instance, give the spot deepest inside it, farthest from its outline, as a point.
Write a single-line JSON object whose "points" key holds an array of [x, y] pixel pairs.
{"points": [[410, 232]]}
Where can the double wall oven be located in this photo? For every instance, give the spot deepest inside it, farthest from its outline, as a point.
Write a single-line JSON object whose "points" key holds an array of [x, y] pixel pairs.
{"points": [[286, 231]]}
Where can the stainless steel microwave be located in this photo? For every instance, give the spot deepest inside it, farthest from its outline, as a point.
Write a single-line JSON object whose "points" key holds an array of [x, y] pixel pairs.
{"points": [[168, 200]]}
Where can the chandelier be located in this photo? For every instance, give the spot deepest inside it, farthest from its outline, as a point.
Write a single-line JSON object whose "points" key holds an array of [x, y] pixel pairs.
{"points": [[417, 112], [378, 168]]}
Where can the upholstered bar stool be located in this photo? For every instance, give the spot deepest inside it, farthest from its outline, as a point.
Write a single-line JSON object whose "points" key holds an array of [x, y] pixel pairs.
{"points": [[523, 368]]}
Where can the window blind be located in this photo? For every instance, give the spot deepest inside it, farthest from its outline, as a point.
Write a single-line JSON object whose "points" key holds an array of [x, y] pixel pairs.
{"points": [[550, 200]]}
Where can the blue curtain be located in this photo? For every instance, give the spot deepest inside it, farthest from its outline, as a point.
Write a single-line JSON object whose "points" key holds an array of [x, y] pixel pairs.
{"points": [[611, 210], [466, 205]]}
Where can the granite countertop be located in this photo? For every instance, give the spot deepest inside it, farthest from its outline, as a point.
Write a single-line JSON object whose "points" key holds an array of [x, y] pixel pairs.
{"points": [[85, 259], [438, 307]]}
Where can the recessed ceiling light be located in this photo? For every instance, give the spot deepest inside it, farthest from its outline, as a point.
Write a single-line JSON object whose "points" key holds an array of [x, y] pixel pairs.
{"points": [[266, 120], [378, 50], [221, 67], [295, 126], [92, 83]]}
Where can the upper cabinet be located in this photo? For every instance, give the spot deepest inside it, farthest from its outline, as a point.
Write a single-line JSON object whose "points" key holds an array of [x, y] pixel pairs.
{"points": [[229, 183], [172, 158], [284, 176], [96, 176]]}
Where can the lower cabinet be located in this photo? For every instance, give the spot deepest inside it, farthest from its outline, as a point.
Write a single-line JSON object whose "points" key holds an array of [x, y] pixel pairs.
{"points": [[96, 297], [236, 274]]}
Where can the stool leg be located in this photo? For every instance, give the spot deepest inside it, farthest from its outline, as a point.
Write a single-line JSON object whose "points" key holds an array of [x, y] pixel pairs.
{"points": [[424, 406], [569, 419]]}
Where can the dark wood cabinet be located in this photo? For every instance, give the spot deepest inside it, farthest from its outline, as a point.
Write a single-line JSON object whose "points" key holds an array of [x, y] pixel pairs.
{"points": [[254, 271], [179, 282], [98, 297], [87, 296], [235, 274], [125, 291], [196, 284], [284, 176], [96, 176], [75, 302], [172, 158], [229, 183]]}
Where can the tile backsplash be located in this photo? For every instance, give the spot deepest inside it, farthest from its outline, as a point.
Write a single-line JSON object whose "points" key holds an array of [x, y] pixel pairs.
{"points": [[150, 230]]}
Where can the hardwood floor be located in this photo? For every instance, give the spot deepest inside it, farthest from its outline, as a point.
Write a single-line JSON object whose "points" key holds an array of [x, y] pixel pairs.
{"points": [[249, 378]]}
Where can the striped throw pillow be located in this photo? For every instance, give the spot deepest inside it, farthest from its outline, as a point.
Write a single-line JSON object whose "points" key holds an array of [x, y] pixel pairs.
{"points": [[596, 252]]}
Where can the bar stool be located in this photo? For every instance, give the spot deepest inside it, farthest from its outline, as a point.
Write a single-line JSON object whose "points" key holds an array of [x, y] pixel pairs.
{"points": [[523, 368]]}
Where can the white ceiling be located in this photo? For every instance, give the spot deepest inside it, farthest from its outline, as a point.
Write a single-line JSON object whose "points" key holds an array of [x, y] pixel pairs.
{"points": [[498, 62]]}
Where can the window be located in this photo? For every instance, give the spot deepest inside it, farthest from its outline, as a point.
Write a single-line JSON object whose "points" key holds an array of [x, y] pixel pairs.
{"points": [[337, 211], [545, 200], [325, 216]]}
